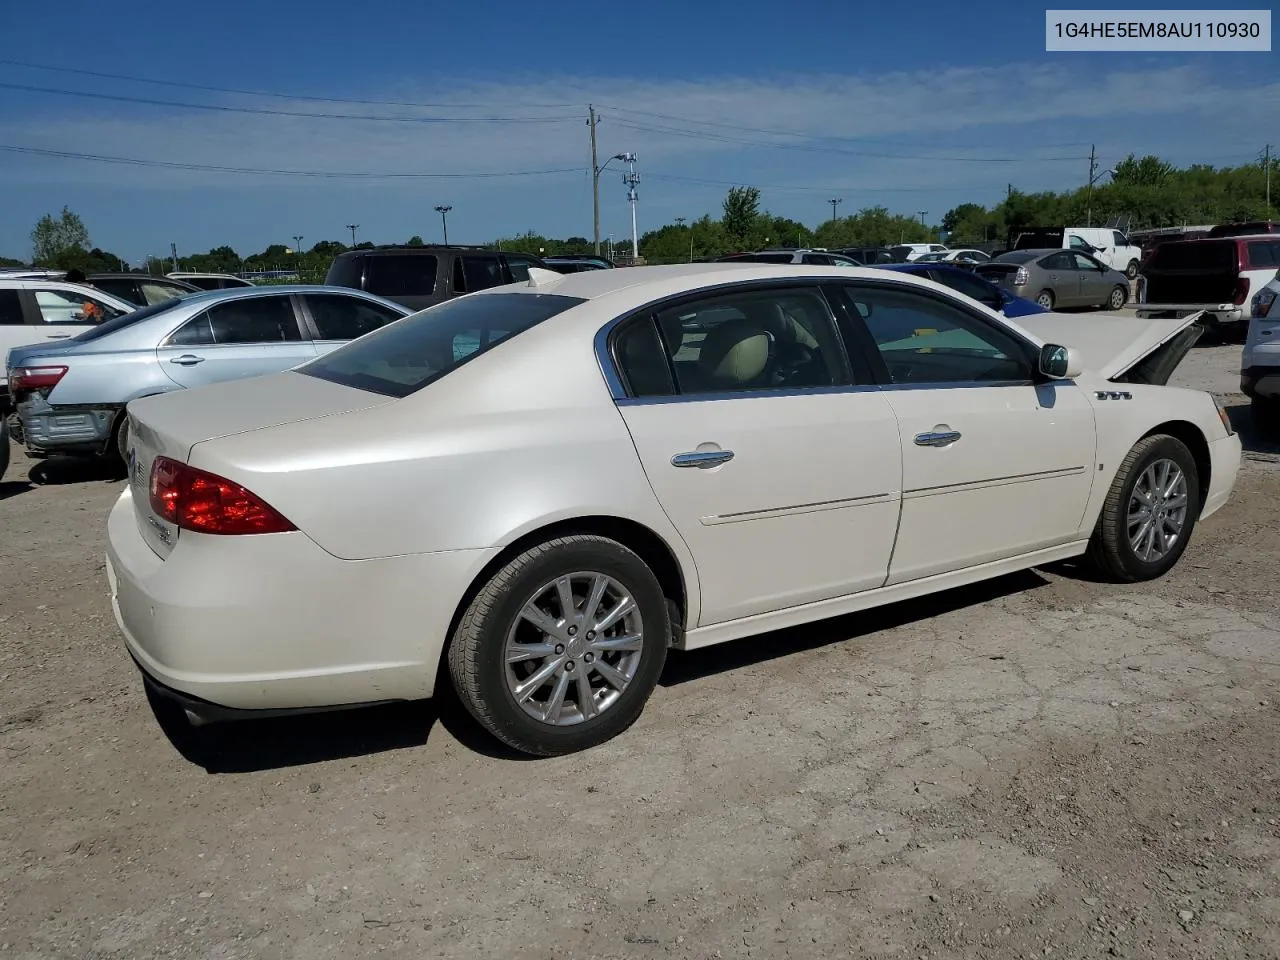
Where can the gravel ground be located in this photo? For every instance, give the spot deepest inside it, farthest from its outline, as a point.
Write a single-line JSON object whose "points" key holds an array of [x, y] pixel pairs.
{"points": [[1038, 766]]}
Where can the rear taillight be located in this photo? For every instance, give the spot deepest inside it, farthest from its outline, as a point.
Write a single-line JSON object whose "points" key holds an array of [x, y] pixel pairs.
{"points": [[206, 503], [1021, 278], [35, 378], [1242, 291], [1261, 304]]}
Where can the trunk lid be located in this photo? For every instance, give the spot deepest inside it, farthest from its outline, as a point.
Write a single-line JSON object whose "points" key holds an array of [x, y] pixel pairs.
{"points": [[1123, 348], [171, 424]]}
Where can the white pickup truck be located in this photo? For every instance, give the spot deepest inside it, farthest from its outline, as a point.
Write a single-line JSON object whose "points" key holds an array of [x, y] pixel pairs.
{"points": [[1217, 275]]}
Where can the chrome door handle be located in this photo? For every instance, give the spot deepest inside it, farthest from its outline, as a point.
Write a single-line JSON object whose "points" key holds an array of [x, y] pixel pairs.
{"points": [[187, 360], [941, 438], [58, 336], [702, 459]]}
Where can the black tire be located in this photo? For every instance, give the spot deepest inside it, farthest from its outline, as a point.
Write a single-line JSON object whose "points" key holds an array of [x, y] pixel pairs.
{"points": [[1119, 297], [1045, 299], [4, 444], [1110, 552], [1265, 412], [477, 661], [121, 436], [1131, 269]]}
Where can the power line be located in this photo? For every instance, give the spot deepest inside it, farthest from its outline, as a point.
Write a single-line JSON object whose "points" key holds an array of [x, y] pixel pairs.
{"points": [[263, 111], [262, 93], [722, 138], [806, 189], [323, 174]]}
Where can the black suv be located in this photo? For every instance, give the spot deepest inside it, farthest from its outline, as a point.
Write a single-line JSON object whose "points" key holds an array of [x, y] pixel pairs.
{"points": [[420, 277]]}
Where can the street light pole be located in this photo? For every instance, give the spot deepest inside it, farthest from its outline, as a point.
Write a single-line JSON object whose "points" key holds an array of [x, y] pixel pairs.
{"points": [[297, 243], [835, 202], [443, 210], [631, 179], [352, 227]]}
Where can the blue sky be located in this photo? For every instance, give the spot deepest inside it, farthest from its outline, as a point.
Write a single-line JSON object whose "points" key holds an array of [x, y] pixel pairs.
{"points": [[917, 106]]}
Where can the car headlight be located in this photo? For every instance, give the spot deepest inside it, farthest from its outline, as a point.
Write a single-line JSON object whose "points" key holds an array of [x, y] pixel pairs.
{"points": [[1261, 303], [1222, 415]]}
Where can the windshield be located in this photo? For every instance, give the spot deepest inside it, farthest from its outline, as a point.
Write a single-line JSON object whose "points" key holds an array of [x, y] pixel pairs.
{"points": [[403, 357], [127, 319]]}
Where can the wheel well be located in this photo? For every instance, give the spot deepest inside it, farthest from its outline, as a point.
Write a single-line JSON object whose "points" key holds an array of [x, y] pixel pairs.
{"points": [[638, 538], [1190, 435]]}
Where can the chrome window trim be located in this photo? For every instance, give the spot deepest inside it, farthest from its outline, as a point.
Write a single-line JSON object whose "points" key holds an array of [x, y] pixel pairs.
{"points": [[618, 391]]}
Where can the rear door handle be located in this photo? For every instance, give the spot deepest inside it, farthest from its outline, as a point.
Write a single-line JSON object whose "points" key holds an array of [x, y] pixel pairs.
{"points": [[938, 438], [187, 360], [58, 336], [702, 459]]}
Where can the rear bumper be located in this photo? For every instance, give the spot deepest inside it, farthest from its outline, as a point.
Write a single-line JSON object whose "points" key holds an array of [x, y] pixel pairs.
{"points": [[59, 429], [273, 623], [1224, 467], [1215, 314]]}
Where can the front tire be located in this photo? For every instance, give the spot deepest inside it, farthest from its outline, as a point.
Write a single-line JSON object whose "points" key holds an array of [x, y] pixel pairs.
{"points": [[1150, 512], [1131, 269], [1119, 297], [1045, 299], [1265, 412], [562, 646]]}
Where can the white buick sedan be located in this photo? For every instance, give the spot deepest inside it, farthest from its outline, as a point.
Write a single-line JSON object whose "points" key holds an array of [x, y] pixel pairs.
{"points": [[546, 486]]}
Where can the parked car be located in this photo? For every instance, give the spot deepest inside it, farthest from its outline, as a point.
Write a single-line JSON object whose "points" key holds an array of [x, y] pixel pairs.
{"points": [[1251, 228], [1213, 277], [140, 289], [825, 258], [420, 277], [71, 397], [210, 281], [547, 486], [1058, 278], [1260, 362], [907, 252], [576, 264], [868, 256], [964, 256], [1104, 244], [965, 281]]}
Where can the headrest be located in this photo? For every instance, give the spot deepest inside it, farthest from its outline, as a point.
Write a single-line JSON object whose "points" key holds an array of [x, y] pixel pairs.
{"points": [[734, 353]]}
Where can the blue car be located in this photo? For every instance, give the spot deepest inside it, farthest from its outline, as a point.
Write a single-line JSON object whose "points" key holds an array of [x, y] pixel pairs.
{"points": [[71, 395], [971, 285]]}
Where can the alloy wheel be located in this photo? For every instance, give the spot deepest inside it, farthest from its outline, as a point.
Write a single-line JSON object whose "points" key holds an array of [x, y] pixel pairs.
{"points": [[1157, 511]]}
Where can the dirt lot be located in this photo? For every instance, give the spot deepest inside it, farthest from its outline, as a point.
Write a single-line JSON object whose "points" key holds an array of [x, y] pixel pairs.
{"points": [[1041, 766]]}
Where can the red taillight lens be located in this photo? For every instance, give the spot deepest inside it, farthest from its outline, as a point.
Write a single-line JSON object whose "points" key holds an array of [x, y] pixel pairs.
{"points": [[1242, 291], [206, 503], [35, 378]]}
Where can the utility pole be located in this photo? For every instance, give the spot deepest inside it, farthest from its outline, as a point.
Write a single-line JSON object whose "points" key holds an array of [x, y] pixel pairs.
{"points": [[173, 253], [631, 179], [835, 202], [680, 223], [297, 244], [352, 227], [443, 210], [922, 214], [595, 178], [1266, 165], [1093, 168]]}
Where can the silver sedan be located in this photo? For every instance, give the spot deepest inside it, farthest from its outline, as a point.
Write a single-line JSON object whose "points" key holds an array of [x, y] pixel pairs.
{"points": [[1058, 278]]}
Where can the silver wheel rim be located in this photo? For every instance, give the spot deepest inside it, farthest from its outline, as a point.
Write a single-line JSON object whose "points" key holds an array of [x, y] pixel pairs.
{"points": [[1045, 300], [1117, 299], [1157, 510], [574, 648]]}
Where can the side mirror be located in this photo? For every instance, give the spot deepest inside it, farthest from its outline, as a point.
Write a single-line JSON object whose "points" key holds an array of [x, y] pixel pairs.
{"points": [[1060, 363]]}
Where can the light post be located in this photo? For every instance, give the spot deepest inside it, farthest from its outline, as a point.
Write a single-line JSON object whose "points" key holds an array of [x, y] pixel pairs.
{"points": [[353, 227], [443, 210], [680, 223]]}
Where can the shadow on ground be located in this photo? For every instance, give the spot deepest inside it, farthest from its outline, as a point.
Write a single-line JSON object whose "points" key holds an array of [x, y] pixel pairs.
{"points": [[1251, 437], [60, 471]]}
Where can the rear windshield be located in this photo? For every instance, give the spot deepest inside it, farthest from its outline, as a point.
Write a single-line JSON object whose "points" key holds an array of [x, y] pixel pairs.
{"points": [[1194, 255], [126, 320], [1017, 256], [403, 357]]}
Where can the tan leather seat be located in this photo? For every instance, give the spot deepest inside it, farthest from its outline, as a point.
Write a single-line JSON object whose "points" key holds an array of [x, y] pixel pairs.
{"points": [[735, 353]]}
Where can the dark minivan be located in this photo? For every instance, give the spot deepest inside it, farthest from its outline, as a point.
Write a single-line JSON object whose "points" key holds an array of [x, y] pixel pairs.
{"points": [[421, 277]]}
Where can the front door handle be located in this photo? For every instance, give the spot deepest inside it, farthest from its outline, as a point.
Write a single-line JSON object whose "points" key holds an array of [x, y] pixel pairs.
{"points": [[58, 336], [187, 360], [937, 438], [702, 459]]}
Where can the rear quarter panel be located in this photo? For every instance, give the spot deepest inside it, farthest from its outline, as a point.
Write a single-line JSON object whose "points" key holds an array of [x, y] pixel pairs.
{"points": [[1121, 423], [520, 437], [108, 379]]}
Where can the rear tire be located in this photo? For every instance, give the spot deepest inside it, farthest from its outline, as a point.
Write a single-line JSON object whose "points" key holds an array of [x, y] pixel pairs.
{"points": [[1131, 269], [613, 672], [1265, 412], [1119, 297], [1137, 503], [1045, 299]]}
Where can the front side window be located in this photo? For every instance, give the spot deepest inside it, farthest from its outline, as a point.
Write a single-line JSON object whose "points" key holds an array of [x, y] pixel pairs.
{"points": [[63, 306], [345, 318], [153, 293], [250, 320], [121, 287], [402, 358], [1119, 239], [924, 340], [1078, 244], [754, 340], [1086, 263], [1058, 261]]}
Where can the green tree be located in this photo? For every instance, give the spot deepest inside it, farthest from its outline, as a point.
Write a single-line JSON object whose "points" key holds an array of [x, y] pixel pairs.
{"points": [[741, 213], [1150, 171], [52, 239], [416, 241], [964, 213]]}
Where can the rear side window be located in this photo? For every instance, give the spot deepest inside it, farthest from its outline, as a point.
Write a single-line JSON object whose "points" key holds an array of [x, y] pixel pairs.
{"points": [[404, 276], [340, 317], [153, 293], [346, 272], [204, 283], [1195, 255], [478, 273], [10, 308], [404, 357], [1264, 253]]}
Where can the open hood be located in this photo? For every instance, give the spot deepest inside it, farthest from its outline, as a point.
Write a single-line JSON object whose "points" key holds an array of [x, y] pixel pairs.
{"points": [[1121, 348]]}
